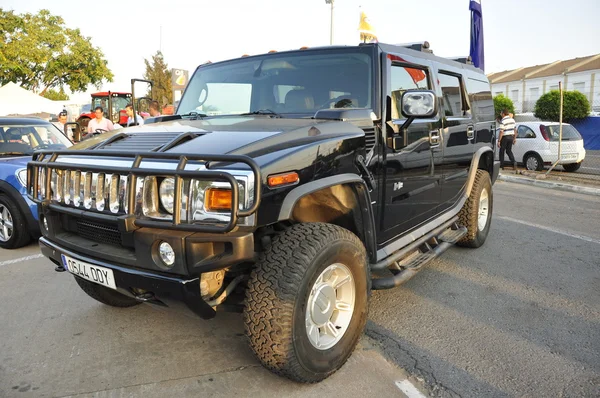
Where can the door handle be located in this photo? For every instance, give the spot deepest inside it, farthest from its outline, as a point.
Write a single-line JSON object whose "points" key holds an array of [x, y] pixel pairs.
{"points": [[434, 138], [470, 132]]}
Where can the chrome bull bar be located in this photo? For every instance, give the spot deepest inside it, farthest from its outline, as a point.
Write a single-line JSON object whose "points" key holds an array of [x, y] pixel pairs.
{"points": [[112, 190]]}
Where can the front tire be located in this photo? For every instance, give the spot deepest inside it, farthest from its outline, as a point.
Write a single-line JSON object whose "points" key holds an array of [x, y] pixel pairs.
{"points": [[105, 295], [13, 226], [476, 213], [533, 162], [307, 301]]}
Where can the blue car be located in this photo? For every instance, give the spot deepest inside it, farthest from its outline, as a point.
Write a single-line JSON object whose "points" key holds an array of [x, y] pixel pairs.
{"points": [[19, 138]]}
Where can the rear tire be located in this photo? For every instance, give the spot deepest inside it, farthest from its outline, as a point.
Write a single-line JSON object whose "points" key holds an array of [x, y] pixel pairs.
{"points": [[476, 213], [572, 167], [296, 322], [105, 295]]}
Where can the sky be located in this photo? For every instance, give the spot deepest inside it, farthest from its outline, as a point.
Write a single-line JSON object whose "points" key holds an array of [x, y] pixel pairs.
{"points": [[517, 32]]}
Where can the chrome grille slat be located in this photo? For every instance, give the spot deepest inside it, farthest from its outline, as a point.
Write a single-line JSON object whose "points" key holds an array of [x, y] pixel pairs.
{"points": [[106, 193], [99, 193], [87, 191]]}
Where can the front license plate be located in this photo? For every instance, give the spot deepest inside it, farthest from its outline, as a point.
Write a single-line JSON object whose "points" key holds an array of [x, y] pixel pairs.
{"points": [[100, 275], [569, 156]]}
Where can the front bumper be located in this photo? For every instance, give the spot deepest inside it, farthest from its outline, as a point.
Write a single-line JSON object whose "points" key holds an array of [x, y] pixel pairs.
{"points": [[164, 289]]}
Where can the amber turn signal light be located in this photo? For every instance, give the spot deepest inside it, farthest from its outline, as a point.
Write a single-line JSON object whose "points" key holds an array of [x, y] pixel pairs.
{"points": [[283, 179], [218, 199]]}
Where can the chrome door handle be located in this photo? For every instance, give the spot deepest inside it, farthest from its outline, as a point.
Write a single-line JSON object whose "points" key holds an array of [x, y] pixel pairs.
{"points": [[470, 132], [434, 139]]}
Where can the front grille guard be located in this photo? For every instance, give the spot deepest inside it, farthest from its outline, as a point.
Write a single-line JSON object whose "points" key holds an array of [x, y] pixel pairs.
{"points": [[47, 160]]}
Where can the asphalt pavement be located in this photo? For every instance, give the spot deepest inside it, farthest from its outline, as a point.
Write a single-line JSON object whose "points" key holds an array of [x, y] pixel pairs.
{"points": [[519, 316], [58, 342]]}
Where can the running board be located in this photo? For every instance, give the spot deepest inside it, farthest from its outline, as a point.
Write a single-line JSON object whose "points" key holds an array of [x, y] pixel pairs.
{"points": [[429, 246]]}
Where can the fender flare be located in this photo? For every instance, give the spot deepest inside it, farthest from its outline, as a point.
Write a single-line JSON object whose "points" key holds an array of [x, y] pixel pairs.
{"points": [[493, 168], [361, 192]]}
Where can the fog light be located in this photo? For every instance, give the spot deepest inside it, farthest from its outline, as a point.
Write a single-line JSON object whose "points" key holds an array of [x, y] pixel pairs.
{"points": [[167, 255], [45, 223]]}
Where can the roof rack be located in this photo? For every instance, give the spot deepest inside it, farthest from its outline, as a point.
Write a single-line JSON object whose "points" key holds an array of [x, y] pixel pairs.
{"points": [[417, 46], [463, 60]]}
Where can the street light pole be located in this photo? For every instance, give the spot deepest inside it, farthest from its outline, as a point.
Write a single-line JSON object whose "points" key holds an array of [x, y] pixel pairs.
{"points": [[331, 23]]}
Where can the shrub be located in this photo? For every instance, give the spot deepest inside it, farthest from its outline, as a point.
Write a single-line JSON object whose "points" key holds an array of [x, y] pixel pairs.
{"points": [[575, 106], [501, 102]]}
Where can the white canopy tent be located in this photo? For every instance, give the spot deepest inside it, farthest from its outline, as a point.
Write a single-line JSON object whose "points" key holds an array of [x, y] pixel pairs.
{"points": [[15, 100]]}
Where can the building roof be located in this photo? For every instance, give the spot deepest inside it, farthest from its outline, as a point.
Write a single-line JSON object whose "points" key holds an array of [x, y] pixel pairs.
{"points": [[552, 69]]}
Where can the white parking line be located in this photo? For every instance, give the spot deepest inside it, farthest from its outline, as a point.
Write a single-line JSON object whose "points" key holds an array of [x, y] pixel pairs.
{"points": [[557, 231], [407, 388], [18, 260]]}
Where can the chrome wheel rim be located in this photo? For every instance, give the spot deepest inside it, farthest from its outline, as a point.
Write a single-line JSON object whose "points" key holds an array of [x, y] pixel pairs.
{"points": [[532, 163], [484, 209], [6, 224], [330, 306]]}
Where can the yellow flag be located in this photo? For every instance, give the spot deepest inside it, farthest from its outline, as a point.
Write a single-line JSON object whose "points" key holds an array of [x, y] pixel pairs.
{"points": [[367, 32]]}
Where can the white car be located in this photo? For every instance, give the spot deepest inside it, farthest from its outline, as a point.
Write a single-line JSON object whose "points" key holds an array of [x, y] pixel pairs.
{"points": [[537, 146]]}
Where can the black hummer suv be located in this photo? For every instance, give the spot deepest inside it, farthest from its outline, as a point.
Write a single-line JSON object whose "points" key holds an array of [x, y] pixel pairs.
{"points": [[287, 186]]}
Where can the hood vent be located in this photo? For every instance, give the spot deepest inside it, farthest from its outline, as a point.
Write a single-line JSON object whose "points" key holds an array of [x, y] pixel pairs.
{"points": [[145, 142]]}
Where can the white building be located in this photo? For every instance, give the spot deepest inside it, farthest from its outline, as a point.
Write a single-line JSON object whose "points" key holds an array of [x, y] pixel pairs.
{"points": [[524, 86]]}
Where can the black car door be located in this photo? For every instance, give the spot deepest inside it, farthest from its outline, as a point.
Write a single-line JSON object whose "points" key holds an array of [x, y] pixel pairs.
{"points": [[458, 133], [411, 190]]}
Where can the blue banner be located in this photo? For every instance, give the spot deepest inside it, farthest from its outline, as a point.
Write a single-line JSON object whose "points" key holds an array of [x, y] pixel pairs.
{"points": [[476, 51]]}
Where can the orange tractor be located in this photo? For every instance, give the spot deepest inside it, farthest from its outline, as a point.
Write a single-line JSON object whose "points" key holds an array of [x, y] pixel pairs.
{"points": [[114, 104]]}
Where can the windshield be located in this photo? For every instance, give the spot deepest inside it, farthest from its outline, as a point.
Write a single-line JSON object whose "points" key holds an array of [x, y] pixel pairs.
{"points": [[569, 133], [293, 83], [119, 102], [24, 139]]}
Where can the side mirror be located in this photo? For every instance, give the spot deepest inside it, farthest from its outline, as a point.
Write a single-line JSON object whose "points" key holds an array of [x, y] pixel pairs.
{"points": [[418, 104], [76, 131]]}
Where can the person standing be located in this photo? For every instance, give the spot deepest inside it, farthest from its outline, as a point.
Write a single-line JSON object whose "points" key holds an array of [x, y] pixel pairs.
{"points": [[154, 109], [99, 122], [131, 121], [507, 138], [62, 121]]}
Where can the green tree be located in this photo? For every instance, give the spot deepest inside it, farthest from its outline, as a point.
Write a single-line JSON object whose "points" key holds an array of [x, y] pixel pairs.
{"points": [[39, 52], [159, 73], [501, 102], [575, 106], [55, 95]]}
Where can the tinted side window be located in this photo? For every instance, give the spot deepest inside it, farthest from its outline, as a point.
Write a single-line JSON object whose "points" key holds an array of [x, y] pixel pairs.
{"points": [[404, 78], [525, 132], [481, 99], [452, 96]]}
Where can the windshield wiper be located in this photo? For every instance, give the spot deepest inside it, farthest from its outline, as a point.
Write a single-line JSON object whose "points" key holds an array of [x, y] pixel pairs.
{"points": [[194, 115], [263, 112]]}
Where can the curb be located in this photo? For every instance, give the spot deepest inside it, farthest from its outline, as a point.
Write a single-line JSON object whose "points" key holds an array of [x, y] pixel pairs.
{"points": [[552, 185]]}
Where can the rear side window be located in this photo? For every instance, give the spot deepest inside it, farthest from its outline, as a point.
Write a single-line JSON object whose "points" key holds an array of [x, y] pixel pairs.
{"points": [[525, 132], [453, 101], [569, 133]]}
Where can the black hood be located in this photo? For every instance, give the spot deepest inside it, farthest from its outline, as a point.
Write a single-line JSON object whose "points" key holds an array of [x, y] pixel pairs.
{"points": [[253, 136]]}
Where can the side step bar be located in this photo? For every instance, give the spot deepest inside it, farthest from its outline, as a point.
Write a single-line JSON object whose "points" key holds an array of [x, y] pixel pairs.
{"points": [[429, 246]]}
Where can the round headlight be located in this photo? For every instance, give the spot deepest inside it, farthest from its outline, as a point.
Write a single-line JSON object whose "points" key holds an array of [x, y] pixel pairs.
{"points": [[167, 254], [167, 194]]}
